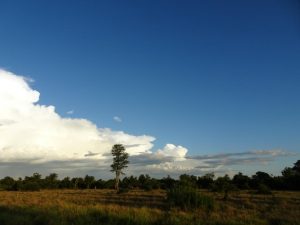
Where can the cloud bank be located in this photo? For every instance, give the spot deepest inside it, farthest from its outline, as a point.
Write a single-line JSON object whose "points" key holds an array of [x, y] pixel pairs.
{"points": [[35, 138], [34, 132]]}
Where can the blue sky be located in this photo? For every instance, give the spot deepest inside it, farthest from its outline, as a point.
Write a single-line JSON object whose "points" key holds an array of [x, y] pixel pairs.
{"points": [[212, 76]]}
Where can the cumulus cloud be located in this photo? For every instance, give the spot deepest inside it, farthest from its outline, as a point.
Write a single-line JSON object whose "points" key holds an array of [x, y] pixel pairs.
{"points": [[33, 132], [170, 150]]}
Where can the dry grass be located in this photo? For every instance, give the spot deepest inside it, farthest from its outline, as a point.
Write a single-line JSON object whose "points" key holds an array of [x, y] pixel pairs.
{"points": [[141, 207]]}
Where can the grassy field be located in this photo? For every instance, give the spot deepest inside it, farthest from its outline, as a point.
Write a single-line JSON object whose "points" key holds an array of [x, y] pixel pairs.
{"points": [[87, 207]]}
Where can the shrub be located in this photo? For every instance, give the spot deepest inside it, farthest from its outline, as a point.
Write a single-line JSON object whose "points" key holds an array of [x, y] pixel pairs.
{"points": [[186, 197], [30, 186], [123, 190], [263, 189]]}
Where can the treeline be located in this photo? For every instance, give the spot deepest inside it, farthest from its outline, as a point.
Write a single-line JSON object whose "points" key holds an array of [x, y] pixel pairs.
{"points": [[289, 180]]}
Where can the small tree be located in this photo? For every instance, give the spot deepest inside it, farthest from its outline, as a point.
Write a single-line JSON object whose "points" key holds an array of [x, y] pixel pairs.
{"points": [[120, 161], [296, 167], [51, 181]]}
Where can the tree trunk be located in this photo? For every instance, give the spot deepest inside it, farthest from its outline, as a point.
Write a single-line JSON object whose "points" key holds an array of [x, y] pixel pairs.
{"points": [[117, 181]]}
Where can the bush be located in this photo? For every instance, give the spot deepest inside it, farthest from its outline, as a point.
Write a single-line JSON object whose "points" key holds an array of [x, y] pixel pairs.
{"points": [[263, 189], [30, 186], [186, 197], [123, 190]]}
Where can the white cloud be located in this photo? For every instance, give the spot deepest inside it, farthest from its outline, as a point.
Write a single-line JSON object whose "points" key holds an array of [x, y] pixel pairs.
{"points": [[34, 132], [272, 152], [117, 119], [170, 150], [70, 112]]}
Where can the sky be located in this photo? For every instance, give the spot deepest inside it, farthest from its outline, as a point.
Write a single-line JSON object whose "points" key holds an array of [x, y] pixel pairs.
{"points": [[187, 86]]}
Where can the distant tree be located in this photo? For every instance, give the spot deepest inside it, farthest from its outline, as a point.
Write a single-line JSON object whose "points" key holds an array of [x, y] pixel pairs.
{"points": [[110, 184], [155, 184], [147, 183], [130, 182], [36, 177], [143, 180], [89, 181], [120, 161], [206, 181], [7, 183], [287, 172], [74, 182], [223, 184], [291, 177], [51, 181], [65, 183], [78, 183], [33, 183], [296, 182], [261, 178], [100, 184], [296, 167], [188, 180], [241, 181], [167, 182]]}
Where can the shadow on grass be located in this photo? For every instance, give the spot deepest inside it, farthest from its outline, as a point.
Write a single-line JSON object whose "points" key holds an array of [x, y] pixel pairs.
{"points": [[128, 200], [24, 216], [35, 216]]}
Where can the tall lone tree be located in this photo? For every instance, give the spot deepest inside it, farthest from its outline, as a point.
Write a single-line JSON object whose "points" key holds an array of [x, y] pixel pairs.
{"points": [[120, 161]]}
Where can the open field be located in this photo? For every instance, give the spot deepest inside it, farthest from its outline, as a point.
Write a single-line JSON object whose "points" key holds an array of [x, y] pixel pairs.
{"points": [[78, 207]]}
